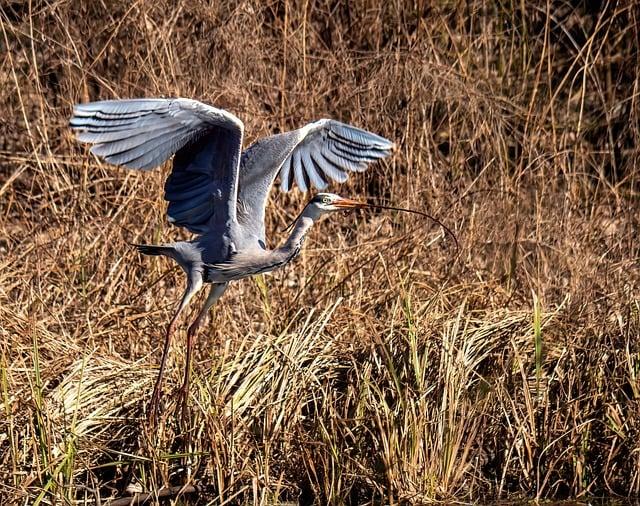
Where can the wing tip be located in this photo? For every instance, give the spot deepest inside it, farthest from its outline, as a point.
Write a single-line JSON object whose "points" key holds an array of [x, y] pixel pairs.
{"points": [[376, 141]]}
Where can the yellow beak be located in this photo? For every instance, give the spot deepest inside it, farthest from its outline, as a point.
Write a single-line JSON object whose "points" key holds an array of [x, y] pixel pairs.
{"points": [[349, 204]]}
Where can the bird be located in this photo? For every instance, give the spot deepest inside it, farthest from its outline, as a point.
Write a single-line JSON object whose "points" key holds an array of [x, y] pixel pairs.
{"points": [[219, 192]]}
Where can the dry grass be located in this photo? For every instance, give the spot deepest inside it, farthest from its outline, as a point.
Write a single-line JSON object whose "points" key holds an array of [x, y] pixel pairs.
{"points": [[378, 366]]}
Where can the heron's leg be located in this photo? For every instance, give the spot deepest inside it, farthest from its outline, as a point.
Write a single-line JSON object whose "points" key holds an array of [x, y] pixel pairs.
{"points": [[194, 283], [214, 294]]}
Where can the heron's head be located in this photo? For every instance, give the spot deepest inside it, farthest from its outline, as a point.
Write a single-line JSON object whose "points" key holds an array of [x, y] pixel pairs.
{"points": [[324, 203]]}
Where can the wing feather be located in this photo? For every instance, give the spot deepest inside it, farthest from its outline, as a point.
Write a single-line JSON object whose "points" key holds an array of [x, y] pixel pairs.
{"points": [[358, 155], [299, 170], [337, 164], [189, 210], [144, 133], [358, 136], [195, 200], [311, 171], [312, 156], [329, 166], [100, 126], [330, 150], [285, 172], [189, 189], [135, 139]]}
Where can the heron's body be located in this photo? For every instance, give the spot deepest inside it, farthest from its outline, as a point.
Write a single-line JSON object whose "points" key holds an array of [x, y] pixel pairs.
{"points": [[234, 255], [219, 192]]}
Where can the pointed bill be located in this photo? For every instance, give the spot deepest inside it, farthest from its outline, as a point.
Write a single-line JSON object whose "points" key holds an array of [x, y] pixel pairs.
{"points": [[349, 204]]}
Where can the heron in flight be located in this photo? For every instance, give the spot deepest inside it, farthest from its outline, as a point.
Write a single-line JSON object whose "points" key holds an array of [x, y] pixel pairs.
{"points": [[218, 191]]}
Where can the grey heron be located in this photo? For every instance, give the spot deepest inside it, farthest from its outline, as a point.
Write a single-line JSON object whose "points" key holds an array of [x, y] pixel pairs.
{"points": [[218, 191]]}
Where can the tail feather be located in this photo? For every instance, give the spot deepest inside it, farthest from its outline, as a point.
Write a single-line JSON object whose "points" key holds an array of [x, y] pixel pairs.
{"points": [[150, 249]]}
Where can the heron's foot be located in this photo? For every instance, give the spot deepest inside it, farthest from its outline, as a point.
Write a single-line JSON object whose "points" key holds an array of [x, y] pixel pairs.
{"points": [[182, 405], [153, 410], [182, 397]]}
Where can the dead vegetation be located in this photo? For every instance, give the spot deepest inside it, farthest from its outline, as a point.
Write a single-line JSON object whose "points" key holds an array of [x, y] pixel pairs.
{"points": [[378, 366]]}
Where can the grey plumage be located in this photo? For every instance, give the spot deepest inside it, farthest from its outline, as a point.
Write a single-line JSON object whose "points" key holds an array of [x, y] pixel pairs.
{"points": [[219, 192]]}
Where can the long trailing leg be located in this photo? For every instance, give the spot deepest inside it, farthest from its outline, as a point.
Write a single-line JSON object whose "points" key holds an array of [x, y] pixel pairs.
{"points": [[214, 294], [194, 283]]}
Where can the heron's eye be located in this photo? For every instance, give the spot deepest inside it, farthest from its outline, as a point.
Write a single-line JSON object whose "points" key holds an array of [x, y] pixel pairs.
{"points": [[326, 200]]}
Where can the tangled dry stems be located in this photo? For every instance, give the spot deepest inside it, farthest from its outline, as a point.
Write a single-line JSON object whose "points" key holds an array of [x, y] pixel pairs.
{"points": [[376, 366]]}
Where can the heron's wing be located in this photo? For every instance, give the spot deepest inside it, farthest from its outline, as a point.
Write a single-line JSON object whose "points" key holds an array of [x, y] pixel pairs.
{"points": [[144, 133], [313, 156]]}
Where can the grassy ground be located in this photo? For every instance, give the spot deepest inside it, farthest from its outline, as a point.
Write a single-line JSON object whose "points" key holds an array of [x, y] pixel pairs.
{"points": [[380, 365]]}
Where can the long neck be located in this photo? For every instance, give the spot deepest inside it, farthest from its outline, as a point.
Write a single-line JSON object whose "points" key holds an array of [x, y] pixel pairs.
{"points": [[294, 242], [275, 258]]}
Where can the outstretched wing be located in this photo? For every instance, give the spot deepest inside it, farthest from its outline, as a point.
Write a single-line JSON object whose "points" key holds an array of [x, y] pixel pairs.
{"points": [[312, 156], [144, 133]]}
